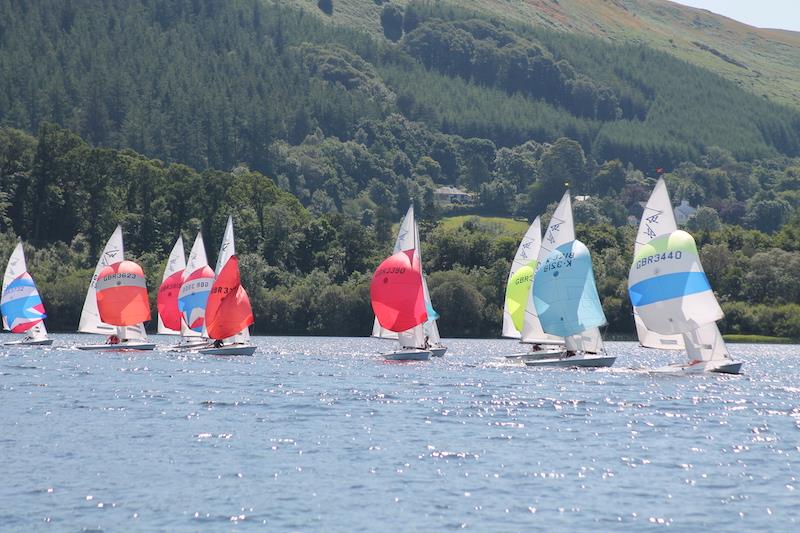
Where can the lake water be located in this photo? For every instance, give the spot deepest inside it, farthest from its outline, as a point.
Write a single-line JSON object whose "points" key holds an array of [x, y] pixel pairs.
{"points": [[322, 434]]}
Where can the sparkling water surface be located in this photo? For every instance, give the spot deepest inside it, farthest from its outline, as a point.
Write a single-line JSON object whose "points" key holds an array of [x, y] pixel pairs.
{"points": [[323, 434]]}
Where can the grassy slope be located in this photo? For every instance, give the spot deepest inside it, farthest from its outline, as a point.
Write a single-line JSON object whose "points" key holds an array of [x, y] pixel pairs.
{"points": [[763, 61], [758, 339], [499, 225]]}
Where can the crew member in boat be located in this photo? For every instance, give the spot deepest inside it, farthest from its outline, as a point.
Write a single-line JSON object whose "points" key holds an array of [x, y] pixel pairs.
{"points": [[112, 339], [218, 343]]}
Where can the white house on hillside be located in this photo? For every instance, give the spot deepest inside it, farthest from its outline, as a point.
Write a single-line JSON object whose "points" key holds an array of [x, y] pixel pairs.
{"points": [[684, 212], [451, 195]]}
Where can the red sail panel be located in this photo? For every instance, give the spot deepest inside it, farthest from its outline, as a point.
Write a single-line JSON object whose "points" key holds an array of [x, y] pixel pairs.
{"points": [[228, 309], [396, 292], [168, 301], [122, 294]]}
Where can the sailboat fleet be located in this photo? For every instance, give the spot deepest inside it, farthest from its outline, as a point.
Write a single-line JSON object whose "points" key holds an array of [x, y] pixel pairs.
{"points": [[209, 309], [551, 299]]}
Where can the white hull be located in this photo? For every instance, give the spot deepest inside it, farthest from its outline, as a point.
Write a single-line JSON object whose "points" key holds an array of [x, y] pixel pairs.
{"points": [[438, 351], [408, 354], [539, 354], [233, 350], [720, 367], [22, 342], [585, 360], [188, 346], [122, 346]]}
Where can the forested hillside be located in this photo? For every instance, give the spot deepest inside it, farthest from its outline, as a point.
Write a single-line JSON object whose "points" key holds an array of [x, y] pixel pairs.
{"points": [[165, 116]]}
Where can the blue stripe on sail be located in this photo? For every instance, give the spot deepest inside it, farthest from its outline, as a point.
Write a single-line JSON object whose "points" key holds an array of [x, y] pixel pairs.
{"points": [[667, 287], [22, 309], [189, 304], [20, 282]]}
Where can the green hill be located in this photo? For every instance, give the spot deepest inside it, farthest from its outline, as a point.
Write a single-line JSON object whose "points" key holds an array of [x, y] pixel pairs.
{"points": [[765, 62]]}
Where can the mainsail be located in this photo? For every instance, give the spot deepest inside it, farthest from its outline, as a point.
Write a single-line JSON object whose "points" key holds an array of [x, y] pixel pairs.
{"points": [[169, 315], [20, 303], [90, 321]]}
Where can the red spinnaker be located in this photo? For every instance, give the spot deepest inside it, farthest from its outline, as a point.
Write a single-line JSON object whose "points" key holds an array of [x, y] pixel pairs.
{"points": [[168, 301], [122, 294], [228, 309], [396, 292]]}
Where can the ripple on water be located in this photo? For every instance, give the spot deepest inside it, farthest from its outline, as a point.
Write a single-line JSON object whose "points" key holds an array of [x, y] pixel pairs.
{"points": [[316, 433]]}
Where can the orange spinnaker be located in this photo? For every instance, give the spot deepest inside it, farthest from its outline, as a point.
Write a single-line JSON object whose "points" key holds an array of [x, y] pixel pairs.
{"points": [[168, 301], [122, 294], [396, 292], [228, 309]]}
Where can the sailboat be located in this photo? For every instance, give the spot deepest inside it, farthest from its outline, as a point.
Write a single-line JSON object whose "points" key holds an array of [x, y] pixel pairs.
{"points": [[673, 304], [193, 296], [408, 237], [228, 313], [397, 294], [564, 296], [21, 305], [124, 306], [517, 323]]}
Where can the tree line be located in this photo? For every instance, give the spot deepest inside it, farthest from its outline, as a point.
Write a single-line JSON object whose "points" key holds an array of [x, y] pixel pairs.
{"points": [[308, 270]]}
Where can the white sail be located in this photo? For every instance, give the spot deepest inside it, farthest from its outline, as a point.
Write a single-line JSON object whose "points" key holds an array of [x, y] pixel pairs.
{"points": [[197, 259], [560, 230], [175, 263], [407, 239], [658, 219], [706, 344], [651, 339], [90, 322], [520, 277], [226, 250], [15, 267], [228, 246], [412, 338], [590, 341]]}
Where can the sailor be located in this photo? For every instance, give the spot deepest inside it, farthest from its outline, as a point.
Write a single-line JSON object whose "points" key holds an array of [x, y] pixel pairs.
{"points": [[218, 343], [112, 339]]}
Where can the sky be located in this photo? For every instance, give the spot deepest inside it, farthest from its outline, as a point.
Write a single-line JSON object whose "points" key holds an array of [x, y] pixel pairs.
{"points": [[783, 14]]}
